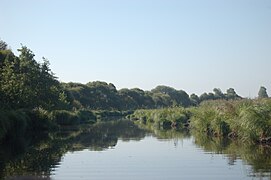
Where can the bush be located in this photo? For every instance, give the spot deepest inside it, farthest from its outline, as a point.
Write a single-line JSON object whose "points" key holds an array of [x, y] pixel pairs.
{"points": [[13, 124], [64, 118], [86, 116], [40, 120], [165, 118]]}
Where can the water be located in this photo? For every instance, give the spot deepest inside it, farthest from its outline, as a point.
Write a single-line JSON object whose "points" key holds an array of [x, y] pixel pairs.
{"points": [[121, 150], [148, 159]]}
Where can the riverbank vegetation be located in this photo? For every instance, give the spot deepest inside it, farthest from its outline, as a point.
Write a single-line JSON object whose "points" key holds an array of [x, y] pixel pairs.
{"points": [[246, 120], [32, 99], [166, 118]]}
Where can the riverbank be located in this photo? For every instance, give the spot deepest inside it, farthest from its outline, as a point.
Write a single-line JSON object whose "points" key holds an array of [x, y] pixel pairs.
{"points": [[246, 120]]}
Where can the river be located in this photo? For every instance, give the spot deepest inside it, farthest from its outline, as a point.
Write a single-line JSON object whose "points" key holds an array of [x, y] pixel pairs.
{"points": [[122, 150]]}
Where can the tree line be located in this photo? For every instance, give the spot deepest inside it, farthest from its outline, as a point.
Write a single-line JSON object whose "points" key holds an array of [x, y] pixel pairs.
{"points": [[26, 83], [102, 95]]}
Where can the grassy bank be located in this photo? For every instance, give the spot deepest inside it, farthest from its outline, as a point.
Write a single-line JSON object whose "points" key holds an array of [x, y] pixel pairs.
{"points": [[166, 118], [246, 120]]}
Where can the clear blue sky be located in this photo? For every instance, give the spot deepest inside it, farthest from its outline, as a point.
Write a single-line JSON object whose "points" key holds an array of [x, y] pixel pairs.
{"points": [[194, 45]]}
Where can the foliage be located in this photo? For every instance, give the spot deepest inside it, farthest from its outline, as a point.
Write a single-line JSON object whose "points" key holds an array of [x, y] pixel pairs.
{"points": [[25, 83], [218, 95], [95, 95], [249, 120], [13, 124], [30, 94], [64, 118], [163, 118], [194, 99], [3, 45], [262, 93], [177, 97]]}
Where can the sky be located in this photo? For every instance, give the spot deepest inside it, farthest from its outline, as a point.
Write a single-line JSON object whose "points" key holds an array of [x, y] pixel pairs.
{"points": [[193, 45]]}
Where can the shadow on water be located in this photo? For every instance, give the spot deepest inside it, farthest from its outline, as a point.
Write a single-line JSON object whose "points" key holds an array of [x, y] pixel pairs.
{"points": [[34, 156]]}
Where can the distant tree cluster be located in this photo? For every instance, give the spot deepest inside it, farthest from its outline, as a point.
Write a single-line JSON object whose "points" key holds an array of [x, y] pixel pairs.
{"points": [[218, 94], [101, 95]]}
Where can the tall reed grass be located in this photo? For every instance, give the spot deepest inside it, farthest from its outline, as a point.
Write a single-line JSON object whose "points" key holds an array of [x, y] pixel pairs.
{"points": [[246, 119], [163, 118]]}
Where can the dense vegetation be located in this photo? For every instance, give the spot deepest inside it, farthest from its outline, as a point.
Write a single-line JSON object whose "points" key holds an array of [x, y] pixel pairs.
{"points": [[166, 118], [247, 120], [101, 95], [34, 103], [32, 99]]}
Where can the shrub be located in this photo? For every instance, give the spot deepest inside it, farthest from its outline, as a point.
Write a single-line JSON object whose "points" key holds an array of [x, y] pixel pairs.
{"points": [[64, 118], [86, 116], [13, 124], [165, 118]]}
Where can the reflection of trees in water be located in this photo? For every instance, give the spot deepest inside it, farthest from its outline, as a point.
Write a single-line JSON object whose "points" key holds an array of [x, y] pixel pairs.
{"points": [[177, 135], [106, 134], [165, 134], [38, 156], [259, 157]]}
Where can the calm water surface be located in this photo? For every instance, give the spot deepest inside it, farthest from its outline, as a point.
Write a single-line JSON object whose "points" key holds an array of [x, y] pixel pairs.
{"points": [[123, 151], [149, 158]]}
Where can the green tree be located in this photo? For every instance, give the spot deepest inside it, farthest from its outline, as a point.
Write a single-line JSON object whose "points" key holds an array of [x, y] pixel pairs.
{"points": [[27, 84], [3, 45], [218, 94], [262, 93], [206, 97], [135, 98], [177, 97], [194, 99], [231, 94]]}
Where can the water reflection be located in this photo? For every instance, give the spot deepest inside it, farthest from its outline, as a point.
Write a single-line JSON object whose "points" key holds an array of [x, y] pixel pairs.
{"points": [[37, 155], [257, 156]]}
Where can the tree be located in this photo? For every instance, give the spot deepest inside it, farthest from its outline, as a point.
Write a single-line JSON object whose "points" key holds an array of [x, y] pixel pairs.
{"points": [[231, 94], [177, 97], [3, 45], [206, 97], [27, 84], [183, 98], [194, 99], [218, 94], [262, 93]]}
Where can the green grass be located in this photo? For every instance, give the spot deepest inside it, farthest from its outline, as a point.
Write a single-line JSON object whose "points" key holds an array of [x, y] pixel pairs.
{"points": [[163, 118], [247, 119]]}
